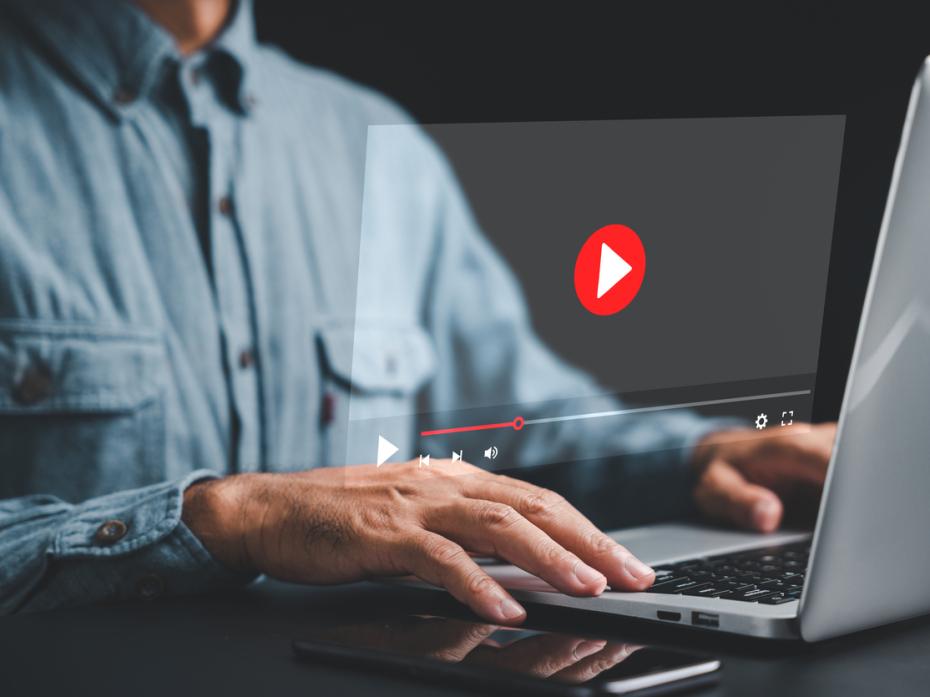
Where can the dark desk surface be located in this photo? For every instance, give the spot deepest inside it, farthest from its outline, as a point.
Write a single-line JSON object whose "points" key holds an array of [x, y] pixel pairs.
{"points": [[239, 644]]}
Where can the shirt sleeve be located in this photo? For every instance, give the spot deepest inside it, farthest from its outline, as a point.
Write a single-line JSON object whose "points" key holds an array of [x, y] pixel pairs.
{"points": [[489, 354], [130, 544]]}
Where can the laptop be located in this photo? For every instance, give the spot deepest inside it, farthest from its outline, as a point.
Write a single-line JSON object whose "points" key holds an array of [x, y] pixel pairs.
{"points": [[867, 562]]}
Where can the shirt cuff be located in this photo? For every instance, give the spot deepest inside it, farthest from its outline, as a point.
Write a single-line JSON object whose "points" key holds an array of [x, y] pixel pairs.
{"points": [[133, 544]]}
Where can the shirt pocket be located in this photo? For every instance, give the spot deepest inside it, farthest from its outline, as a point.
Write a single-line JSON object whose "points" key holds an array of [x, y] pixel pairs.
{"points": [[81, 408], [374, 376]]}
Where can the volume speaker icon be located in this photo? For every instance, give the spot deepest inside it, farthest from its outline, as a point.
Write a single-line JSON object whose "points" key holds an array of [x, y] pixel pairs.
{"points": [[491, 453]]}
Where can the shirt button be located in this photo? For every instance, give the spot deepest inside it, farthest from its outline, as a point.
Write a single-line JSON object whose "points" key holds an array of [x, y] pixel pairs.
{"points": [[123, 96], [225, 205], [246, 359], [34, 386], [111, 532], [150, 586], [328, 409], [196, 76]]}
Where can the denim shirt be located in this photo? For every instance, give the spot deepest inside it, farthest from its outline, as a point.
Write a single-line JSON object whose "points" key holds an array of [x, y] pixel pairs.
{"points": [[179, 295]]}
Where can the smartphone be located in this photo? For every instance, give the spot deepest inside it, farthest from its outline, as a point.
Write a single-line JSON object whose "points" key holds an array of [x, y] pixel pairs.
{"points": [[504, 659]]}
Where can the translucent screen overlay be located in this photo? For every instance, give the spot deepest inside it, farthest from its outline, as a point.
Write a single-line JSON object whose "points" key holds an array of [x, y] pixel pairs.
{"points": [[467, 315]]}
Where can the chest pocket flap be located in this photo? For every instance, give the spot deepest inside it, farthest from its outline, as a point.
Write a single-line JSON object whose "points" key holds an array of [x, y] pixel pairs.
{"points": [[379, 359], [52, 367]]}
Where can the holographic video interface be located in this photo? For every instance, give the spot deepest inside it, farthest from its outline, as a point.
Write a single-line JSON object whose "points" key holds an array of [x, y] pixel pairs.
{"points": [[582, 286]]}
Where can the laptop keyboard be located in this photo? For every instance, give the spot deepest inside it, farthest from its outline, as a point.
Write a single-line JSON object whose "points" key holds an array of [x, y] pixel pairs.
{"points": [[772, 576]]}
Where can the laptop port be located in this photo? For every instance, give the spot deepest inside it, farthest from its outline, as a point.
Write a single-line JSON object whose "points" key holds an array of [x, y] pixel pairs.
{"points": [[705, 619], [670, 616]]}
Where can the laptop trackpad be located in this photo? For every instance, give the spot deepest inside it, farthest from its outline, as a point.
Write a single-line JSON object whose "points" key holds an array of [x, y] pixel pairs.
{"points": [[668, 542]]}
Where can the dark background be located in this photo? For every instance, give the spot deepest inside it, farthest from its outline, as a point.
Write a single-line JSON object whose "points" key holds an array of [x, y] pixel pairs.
{"points": [[529, 61]]}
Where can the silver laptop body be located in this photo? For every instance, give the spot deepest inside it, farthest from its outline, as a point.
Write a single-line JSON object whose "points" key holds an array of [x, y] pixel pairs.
{"points": [[870, 555]]}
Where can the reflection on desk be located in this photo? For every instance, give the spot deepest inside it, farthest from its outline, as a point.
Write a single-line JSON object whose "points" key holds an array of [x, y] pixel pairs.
{"points": [[239, 643]]}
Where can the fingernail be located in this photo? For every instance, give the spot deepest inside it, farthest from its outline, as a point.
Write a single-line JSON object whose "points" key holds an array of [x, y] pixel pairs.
{"points": [[764, 512], [587, 647], [510, 609], [637, 569], [587, 575]]}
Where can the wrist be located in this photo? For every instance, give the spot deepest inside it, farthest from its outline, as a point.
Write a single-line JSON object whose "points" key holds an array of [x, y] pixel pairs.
{"points": [[703, 452], [214, 510]]}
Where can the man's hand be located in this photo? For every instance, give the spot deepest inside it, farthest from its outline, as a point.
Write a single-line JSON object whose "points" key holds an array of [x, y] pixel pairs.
{"points": [[554, 657], [749, 477], [337, 525], [557, 657]]}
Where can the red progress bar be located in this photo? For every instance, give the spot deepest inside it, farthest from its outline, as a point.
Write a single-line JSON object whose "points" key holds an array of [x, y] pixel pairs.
{"points": [[516, 425]]}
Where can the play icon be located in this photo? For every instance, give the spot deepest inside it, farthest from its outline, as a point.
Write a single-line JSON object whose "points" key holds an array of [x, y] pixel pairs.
{"points": [[613, 269], [609, 269], [385, 450]]}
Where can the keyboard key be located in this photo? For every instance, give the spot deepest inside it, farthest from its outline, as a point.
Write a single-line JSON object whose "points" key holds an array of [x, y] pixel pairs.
{"points": [[773, 585], [669, 580], [675, 586], [705, 590], [750, 594]]}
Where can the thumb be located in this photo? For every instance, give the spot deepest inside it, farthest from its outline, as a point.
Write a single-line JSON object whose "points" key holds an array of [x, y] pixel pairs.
{"points": [[723, 493]]}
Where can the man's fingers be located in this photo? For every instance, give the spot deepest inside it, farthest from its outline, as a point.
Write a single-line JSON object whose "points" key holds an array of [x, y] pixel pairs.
{"points": [[444, 563], [814, 450], [498, 528], [453, 640], [793, 454], [541, 655], [568, 527], [724, 493], [612, 654]]}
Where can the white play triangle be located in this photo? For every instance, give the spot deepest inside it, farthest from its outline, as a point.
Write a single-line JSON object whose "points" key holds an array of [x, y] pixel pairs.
{"points": [[611, 270], [385, 450]]}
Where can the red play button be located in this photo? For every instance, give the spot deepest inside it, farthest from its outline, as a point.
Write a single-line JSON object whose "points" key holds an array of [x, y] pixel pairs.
{"points": [[609, 270]]}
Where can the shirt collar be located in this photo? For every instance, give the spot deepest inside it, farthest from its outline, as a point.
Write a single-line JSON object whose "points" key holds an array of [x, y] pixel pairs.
{"points": [[238, 43], [117, 53]]}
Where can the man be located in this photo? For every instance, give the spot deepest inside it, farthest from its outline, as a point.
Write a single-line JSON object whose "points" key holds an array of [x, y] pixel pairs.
{"points": [[179, 217]]}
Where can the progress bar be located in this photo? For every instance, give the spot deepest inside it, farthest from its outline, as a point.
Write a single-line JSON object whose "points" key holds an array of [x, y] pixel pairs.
{"points": [[516, 425], [519, 422]]}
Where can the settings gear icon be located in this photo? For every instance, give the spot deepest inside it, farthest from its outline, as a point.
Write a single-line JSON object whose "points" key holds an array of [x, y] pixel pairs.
{"points": [[762, 420]]}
